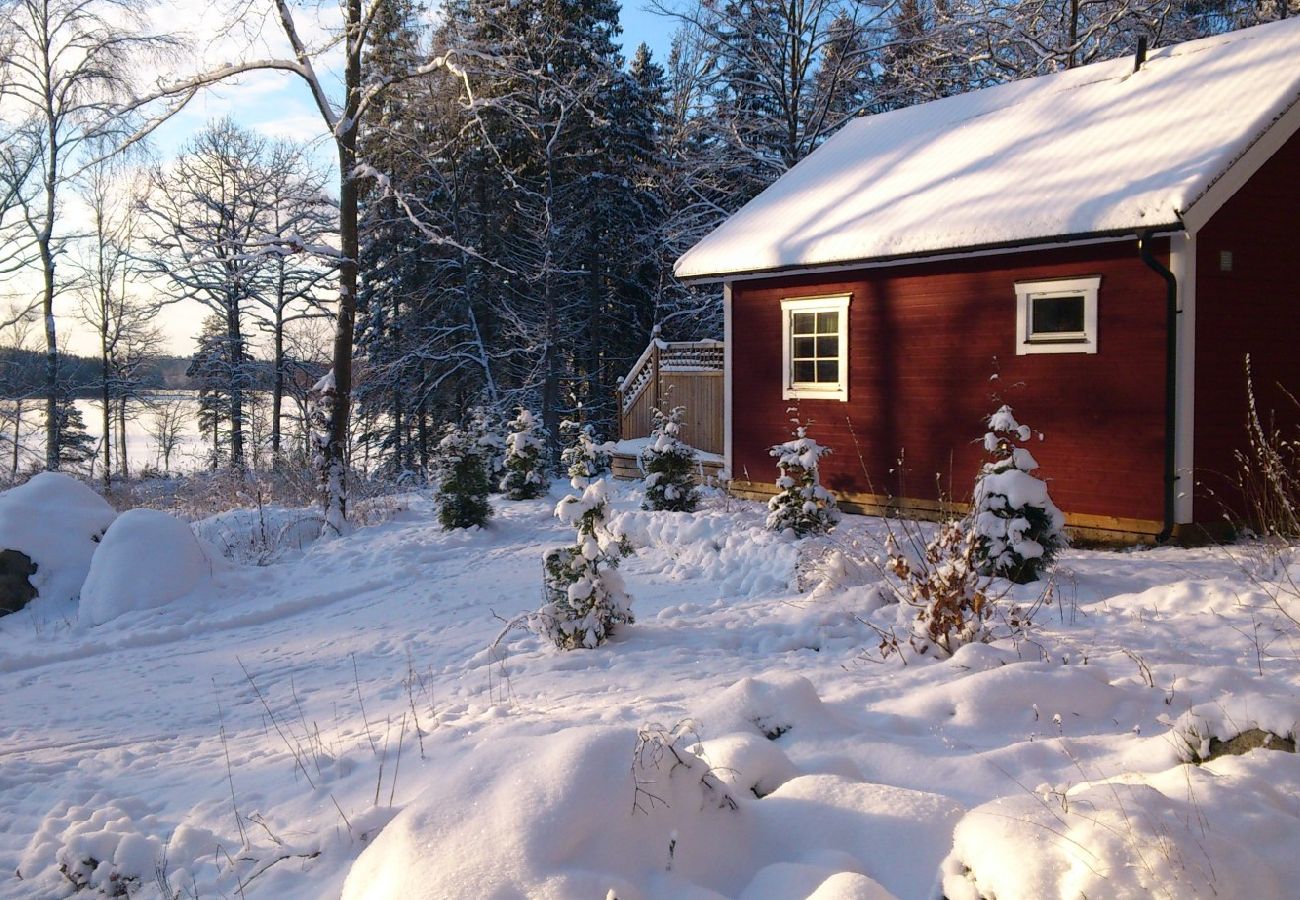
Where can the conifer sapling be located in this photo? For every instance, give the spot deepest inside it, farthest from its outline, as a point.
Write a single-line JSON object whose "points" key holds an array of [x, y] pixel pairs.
{"points": [[460, 471], [670, 465], [488, 426], [583, 459], [523, 478], [585, 596], [1018, 528], [801, 505]]}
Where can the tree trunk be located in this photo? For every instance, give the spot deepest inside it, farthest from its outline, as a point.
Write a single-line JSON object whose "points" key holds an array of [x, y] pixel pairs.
{"points": [[122, 462], [335, 463], [277, 388], [235, 359]]}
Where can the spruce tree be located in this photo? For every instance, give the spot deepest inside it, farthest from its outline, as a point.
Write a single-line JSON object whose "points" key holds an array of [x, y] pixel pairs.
{"points": [[585, 595], [584, 459], [525, 445], [461, 477], [75, 443], [1018, 528], [801, 505], [670, 465]]}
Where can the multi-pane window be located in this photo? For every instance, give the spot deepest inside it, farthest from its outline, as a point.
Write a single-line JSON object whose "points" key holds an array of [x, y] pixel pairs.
{"points": [[815, 333], [1057, 316]]}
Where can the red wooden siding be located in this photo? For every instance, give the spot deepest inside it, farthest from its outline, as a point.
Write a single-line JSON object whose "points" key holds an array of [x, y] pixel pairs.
{"points": [[924, 341], [1254, 308]]}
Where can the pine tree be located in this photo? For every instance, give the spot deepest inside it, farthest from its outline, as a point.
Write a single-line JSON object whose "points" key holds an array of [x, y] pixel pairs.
{"points": [[461, 477], [525, 445], [669, 465], [586, 597], [801, 505], [1018, 528]]}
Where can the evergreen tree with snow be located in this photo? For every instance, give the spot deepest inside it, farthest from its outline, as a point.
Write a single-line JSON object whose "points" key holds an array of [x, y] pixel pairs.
{"points": [[585, 594], [461, 477], [75, 443], [669, 464], [584, 459], [1019, 530], [525, 447], [801, 505], [488, 426]]}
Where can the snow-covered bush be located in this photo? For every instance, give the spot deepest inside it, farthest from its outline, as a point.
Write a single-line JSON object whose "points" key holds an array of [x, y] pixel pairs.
{"points": [[943, 584], [1018, 530], [670, 465], [461, 477], [525, 447], [802, 505], [585, 596], [584, 459]]}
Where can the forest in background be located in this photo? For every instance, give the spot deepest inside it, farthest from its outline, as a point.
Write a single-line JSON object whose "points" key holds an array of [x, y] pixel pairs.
{"points": [[518, 181]]}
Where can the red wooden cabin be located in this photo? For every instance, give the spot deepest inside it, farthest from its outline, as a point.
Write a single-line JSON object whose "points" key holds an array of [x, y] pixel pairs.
{"points": [[1109, 241]]}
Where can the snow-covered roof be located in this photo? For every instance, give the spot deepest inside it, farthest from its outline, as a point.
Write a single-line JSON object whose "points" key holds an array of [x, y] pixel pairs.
{"points": [[1090, 151]]}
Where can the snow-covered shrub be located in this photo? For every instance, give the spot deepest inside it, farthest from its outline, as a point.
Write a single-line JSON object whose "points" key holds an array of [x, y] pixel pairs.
{"points": [[584, 459], [1018, 530], [108, 848], [461, 477], [802, 505], [943, 584], [585, 596], [525, 447], [670, 465], [145, 560]]}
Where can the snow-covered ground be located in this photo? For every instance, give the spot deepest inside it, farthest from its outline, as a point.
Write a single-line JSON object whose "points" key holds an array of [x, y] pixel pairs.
{"points": [[335, 723]]}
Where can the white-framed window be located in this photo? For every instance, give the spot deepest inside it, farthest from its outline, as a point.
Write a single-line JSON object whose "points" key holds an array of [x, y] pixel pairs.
{"points": [[1058, 316], [815, 358]]}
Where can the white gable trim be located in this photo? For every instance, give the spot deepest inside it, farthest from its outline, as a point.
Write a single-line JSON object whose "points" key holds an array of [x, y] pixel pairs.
{"points": [[1182, 262], [1242, 169]]}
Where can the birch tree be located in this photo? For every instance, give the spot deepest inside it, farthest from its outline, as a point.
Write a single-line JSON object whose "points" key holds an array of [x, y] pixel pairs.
{"points": [[68, 65]]}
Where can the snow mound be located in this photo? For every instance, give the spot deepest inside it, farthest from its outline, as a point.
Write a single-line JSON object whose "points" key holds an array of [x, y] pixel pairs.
{"points": [[56, 521], [1186, 832], [747, 559], [260, 535], [597, 812], [105, 846], [768, 707], [146, 559]]}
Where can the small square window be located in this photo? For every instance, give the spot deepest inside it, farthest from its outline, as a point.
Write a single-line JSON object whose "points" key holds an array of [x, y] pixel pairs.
{"points": [[1057, 316], [815, 358]]}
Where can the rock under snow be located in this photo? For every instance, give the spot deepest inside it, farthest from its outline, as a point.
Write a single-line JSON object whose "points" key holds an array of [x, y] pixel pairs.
{"points": [[55, 521], [147, 559]]}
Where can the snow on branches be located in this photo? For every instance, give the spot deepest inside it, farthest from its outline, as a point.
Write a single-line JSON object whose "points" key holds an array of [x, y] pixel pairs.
{"points": [[460, 472], [1018, 529], [802, 505], [585, 596], [525, 445], [669, 464], [584, 459]]}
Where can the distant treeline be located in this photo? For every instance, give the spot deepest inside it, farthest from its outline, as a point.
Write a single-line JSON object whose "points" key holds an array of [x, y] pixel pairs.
{"points": [[22, 374]]}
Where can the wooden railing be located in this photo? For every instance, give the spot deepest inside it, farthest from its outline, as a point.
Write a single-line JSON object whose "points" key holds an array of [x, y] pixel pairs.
{"points": [[676, 373]]}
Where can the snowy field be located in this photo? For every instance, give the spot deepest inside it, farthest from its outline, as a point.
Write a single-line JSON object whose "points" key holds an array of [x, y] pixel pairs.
{"points": [[336, 723]]}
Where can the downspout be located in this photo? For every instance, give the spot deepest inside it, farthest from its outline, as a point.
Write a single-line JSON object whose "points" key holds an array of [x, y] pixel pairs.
{"points": [[1171, 378]]}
